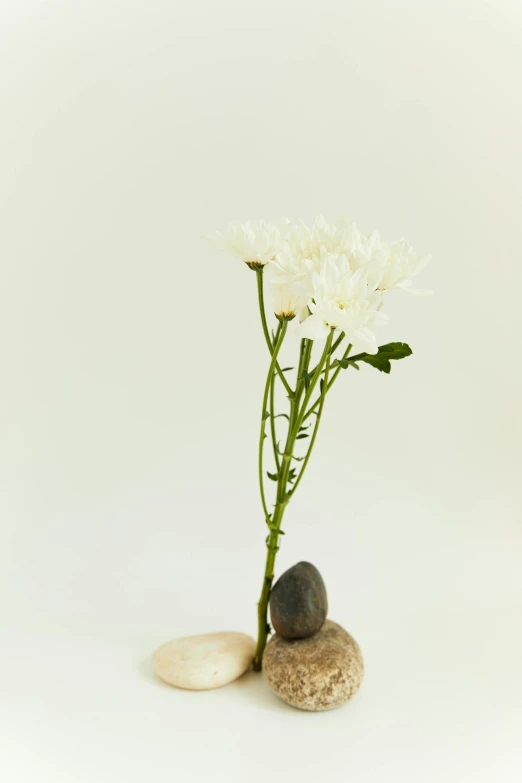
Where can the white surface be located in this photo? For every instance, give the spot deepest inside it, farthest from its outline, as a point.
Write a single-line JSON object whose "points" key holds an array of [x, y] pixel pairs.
{"points": [[129, 505]]}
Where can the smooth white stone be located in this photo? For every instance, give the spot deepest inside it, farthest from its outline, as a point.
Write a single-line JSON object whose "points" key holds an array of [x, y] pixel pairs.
{"points": [[204, 662]]}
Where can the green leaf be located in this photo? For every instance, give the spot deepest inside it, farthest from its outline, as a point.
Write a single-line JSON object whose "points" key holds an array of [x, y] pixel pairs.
{"points": [[273, 476], [302, 427], [307, 378], [380, 360], [273, 548], [302, 435], [266, 415], [345, 363], [298, 459], [286, 369]]}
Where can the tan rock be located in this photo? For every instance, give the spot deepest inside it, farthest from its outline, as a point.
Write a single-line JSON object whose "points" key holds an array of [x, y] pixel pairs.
{"points": [[318, 673], [204, 662]]}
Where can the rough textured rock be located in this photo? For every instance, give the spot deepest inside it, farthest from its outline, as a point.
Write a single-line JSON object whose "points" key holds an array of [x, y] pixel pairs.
{"points": [[204, 662], [298, 602], [318, 673]]}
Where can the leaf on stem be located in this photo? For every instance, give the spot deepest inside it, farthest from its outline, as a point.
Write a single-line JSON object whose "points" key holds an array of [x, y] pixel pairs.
{"points": [[302, 435], [345, 363], [273, 476], [307, 378], [275, 529], [380, 360], [266, 415]]}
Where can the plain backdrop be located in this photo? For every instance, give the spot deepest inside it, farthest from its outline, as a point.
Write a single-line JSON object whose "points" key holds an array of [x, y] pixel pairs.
{"points": [[132, 365]]}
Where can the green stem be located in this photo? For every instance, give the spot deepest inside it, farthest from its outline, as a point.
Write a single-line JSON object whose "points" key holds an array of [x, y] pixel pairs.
{"points": [[261, 299], [313, 383], [272, 545], [322, 398], [303, 367], [273, 425], [272, 542], [334, 347], [280, 334], [330, 384], [337, 343]]}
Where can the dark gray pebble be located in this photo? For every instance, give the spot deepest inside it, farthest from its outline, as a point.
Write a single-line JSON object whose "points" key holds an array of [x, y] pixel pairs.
{"points": [[298, 602]]}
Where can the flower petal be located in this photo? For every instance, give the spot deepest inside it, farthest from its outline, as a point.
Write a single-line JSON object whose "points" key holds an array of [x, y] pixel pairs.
{"points": [[314, 328]]}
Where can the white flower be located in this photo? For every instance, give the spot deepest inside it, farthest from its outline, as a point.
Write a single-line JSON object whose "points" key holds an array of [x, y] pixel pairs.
{"points": [[296, 255], [344, 300], [294, 272], [310, 242], [286, 303], [394, 263], [255, 242]]}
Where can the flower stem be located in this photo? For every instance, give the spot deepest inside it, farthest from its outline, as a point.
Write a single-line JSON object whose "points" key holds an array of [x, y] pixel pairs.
{"points": [[283, 497], [322, 398], [273, 425], [313, 383], [335, 345], [261, 299], [280, 335], [330, 384], [272, 546]]}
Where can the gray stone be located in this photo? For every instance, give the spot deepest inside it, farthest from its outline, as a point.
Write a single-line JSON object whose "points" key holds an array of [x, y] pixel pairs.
{"points": [[298, 602], [318, 673]]}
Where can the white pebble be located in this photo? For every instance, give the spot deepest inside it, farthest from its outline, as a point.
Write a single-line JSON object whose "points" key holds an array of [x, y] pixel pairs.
{"points": [[204, 662]]}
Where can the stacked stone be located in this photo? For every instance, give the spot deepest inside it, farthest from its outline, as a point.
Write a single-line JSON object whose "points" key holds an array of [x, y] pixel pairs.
{"points": [[311, 662]]}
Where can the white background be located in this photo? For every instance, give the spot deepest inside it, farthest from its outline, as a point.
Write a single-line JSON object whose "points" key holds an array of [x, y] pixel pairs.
{"points": [[132, 366]]}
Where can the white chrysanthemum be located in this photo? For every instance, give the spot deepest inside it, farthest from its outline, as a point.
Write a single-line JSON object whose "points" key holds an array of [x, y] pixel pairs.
{"points": [[344, 300], [394, 263], [305, 247], [310, 242], [294, 272], [287, 304], [296, 253], [255, 242]]}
